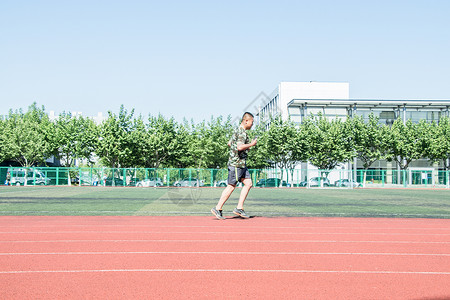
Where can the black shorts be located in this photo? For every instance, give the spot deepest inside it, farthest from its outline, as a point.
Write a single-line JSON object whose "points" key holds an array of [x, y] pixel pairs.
{"points": [[236, 174]]}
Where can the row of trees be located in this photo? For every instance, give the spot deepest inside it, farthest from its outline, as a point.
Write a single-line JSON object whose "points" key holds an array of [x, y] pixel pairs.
{"points": [[124, 140], [327, 142]]}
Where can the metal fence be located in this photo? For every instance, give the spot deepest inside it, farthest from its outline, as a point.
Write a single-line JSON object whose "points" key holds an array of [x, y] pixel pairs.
{"points": [[140, 177]]}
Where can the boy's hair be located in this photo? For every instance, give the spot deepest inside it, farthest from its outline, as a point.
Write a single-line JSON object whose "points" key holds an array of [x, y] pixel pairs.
{"points": [[246, 115]]}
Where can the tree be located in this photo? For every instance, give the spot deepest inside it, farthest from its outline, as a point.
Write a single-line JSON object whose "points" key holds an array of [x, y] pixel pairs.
{"points": [[404, 142], [208, 143], [4, 151], [366, 138], [437, 141], [258, 156], [164, 149], [29, 136], [76, 137], [183, 141], [283, 145], [114, 145], [139, 143], [218, 134]]}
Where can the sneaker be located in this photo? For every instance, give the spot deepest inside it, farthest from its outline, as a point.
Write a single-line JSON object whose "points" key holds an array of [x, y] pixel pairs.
{"points": [[217, 214], [241, 213]]}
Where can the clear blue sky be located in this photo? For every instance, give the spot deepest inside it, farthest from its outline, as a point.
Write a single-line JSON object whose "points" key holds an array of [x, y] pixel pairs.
{"points": [[195, 59]]}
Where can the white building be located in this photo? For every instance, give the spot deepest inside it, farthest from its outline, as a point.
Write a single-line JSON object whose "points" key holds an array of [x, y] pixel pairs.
{"points": [[280, 99]]}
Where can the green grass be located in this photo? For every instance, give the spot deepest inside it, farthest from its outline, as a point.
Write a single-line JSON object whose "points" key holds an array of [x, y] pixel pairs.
{"points": [[405, 203]]}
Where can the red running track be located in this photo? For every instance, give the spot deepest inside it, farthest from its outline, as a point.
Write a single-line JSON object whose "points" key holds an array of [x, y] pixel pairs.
{"points": [[201, 258]]}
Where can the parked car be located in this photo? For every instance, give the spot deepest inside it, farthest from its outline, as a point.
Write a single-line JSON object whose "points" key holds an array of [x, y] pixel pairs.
{"points": [[85, 180], [133, 181], [316, 181], [75, 180], [222, 183], [189, 182], [271, 182], [117, 181], [31, 176], [155, 182], [347, 183]]}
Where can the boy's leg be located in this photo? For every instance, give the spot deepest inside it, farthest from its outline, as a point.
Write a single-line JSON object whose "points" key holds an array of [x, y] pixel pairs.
{"points": [[244, 192], [233, 178], [225, 195]]}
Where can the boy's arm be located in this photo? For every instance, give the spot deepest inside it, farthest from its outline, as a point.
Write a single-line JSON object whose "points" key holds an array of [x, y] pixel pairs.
{"points": [[241, 146]]}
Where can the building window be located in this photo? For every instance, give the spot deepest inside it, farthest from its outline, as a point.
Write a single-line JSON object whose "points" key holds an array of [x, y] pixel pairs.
{"points": [[334, 112], [385, 116], [429, 116]]}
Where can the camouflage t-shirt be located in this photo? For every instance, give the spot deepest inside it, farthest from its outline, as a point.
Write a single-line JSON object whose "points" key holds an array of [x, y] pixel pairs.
{"points": [[237, 158]]}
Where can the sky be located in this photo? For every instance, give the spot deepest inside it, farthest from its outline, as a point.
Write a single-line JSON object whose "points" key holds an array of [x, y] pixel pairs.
{"points": [[197, 59]]}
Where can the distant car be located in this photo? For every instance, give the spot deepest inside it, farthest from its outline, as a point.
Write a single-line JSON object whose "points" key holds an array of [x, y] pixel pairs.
{"points": [[133, 181], [189, 182], [75, 180], [271, 182], [316, 181], [347, 183], [155, 182], [222, 183], [85, 180], [31, 176], [113, 181]]}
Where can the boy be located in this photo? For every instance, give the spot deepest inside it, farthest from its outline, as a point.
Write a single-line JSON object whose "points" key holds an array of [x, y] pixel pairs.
{"points": [[237, 169]]}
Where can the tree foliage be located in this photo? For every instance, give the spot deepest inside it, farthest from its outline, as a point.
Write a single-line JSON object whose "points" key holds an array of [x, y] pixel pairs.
{"points": [[327, 142], [366, 138], [436, 139], [126, 141], [29, 136], [4, 149], [164, 147], [404, 142], [208, 143], [76, 137], [114, 147], [258, 158], [284, 145]]}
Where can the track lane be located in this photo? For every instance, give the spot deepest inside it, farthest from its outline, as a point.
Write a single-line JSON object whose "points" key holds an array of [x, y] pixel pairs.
{"points": [[268, 257]]}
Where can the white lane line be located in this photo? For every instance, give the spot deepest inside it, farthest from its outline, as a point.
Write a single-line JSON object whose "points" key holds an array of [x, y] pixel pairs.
{"points": [[227, 232], [213, 226], [224, 253], [224, 270], [203, 214], [221, 241]]}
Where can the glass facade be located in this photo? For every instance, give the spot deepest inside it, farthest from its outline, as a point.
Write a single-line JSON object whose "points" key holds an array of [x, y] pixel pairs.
{"points": [[429, 116], [386, 111], [385, 116]]}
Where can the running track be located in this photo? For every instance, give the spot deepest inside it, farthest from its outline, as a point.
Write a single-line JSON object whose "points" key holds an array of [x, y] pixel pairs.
{"points": [[202, 258]]}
